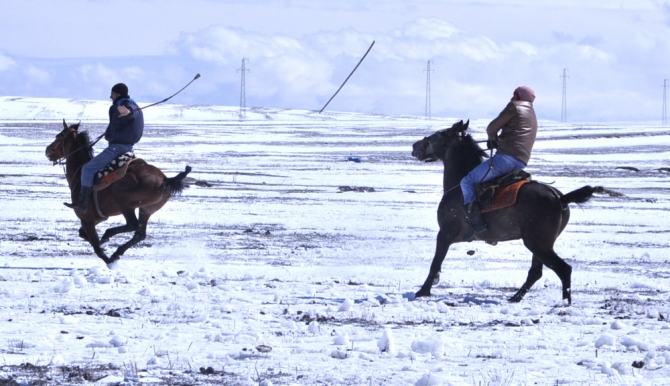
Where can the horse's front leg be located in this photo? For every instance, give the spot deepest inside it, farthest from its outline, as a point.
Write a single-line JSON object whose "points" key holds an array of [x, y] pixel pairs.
{"points": [[534, 274], [92, 237], [436, 266], [131, 225]]}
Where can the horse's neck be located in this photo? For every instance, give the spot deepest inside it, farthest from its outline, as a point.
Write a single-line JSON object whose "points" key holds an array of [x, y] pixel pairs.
{"points": [[73, 166], [458, 162], [452, 176]]}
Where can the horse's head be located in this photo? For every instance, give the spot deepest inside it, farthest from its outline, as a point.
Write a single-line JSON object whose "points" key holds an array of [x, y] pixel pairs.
{"points": [[434, 147], [64, 144]]}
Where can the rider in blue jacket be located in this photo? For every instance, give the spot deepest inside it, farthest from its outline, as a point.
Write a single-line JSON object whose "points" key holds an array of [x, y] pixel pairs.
{"points": [[126, 124]]}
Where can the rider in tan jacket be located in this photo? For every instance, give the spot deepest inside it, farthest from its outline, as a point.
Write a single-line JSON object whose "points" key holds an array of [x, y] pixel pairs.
{"points": [[519, 128], [517, 125]]}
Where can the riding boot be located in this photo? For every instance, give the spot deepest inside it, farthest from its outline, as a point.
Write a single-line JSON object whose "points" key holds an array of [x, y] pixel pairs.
{"points": [[474, 216], [82, 204]]}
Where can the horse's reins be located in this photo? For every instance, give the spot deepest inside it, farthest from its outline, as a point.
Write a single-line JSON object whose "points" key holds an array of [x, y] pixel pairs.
{"points": [[61, 161], [487, 172]]}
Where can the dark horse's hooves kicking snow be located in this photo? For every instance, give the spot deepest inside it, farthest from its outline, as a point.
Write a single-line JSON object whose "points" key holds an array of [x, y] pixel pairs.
{"points": [[539, 215], [141, 188]]}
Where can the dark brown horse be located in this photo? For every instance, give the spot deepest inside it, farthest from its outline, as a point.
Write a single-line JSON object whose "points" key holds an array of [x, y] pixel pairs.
{"points": [[538, 217], [144, 187]]}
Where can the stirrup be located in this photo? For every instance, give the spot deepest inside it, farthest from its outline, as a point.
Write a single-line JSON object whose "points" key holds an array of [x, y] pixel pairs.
{"points": [[76, 207]]}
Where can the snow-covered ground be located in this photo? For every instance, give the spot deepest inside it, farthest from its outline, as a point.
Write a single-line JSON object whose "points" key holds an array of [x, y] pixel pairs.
{"points": [[268, 270]]}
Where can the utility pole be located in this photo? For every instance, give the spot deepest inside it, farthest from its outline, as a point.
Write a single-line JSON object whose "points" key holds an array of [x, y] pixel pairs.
{"points": [[664, 116], [428, 70], [564, 104], [243, 94]]}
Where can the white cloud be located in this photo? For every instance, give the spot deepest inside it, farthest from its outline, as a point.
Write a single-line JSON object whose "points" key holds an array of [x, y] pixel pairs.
{"points": [[226, 45], [6, 63], [36, 74], [430, 29]]}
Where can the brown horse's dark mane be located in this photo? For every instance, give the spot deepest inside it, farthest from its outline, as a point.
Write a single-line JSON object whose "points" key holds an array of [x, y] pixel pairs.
{"points": [[83, 142]]}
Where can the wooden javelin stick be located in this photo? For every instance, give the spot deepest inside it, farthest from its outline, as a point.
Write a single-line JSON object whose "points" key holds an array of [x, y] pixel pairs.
{"points": [[142, 108], [345, 81]]}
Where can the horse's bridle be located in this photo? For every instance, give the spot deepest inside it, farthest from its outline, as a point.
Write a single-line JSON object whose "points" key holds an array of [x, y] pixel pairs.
{"points": [[458, 137], [62, 160], [60, 137]]}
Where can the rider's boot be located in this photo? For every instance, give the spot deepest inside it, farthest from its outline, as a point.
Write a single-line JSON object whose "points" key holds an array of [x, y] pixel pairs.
{"points": [[82, 204], [474, 216]]}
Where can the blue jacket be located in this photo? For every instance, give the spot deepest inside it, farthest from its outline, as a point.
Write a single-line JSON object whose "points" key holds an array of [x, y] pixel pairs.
{"points": [[126, 130]]}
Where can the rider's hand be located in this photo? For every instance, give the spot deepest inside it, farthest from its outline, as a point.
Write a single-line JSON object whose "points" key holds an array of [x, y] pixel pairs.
{"points": [[491, 144], [123, 111]]}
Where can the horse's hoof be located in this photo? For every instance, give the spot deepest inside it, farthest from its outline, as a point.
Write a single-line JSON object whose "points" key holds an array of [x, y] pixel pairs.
{"points": [[567, 296], [517, 297], [422, 293], [114, 265]]}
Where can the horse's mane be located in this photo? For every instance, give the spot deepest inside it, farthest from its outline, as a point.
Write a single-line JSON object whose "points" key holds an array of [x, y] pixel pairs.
{"points": [[470, 145], [83, 140]]}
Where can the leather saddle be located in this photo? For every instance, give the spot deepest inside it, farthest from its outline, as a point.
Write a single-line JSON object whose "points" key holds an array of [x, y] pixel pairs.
{"points": [[501, 192], [116, 170]]}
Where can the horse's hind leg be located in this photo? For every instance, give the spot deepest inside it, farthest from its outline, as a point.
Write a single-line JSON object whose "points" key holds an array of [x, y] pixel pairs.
{"points": [[131, 225], [140, 234], [83, 234], [534, 274], [554, 262]]}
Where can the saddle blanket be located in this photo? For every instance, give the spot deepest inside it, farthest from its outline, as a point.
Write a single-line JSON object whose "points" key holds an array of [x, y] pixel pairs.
{"points": [[114, 171], [501, 192], [503, 197]]}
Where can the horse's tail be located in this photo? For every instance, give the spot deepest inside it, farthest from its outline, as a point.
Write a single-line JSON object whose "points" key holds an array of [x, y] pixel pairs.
{"points": [[580, 195], [176, 184]]}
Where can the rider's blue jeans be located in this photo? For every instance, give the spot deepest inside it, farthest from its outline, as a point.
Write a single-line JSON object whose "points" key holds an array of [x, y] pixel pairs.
{"points": [[502, 164], [100, 161]]}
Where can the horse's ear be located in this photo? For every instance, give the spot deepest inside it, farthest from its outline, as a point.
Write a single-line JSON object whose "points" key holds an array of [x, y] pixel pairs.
{"points": [[64, 124], [465, 127]]}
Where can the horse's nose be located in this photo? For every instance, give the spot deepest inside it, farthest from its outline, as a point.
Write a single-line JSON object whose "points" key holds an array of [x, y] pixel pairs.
{"points": [[415, 150]]}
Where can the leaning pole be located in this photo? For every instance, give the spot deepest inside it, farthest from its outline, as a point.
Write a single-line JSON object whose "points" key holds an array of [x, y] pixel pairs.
{"points": [[345, 81]]}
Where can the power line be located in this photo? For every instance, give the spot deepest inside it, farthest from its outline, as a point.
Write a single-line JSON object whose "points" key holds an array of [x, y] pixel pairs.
{"points": [[664, 116], [428, 70], [243, 93], [564, 104]]}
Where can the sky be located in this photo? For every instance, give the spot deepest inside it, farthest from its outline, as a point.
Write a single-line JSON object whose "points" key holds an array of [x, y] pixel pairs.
{"points": [[616, 54]]}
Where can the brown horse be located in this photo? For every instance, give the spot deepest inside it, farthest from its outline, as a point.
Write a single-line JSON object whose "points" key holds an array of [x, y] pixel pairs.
{"points": [[538, 217], [144, 187]]}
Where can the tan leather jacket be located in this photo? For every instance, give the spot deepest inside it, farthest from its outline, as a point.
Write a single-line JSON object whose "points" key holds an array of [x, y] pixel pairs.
{"points": [[519, 128]]}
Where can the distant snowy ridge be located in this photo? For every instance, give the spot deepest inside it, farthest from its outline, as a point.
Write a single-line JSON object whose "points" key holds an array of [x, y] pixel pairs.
{"points": [[22, 108]]}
